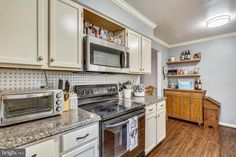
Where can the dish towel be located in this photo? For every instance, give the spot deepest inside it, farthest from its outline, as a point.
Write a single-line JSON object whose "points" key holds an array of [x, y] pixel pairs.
{"points": [[132, 133]]}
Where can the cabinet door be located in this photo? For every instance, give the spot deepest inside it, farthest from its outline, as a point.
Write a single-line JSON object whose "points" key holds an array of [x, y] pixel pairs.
{"points": [[66, 34], [161, 125], [43, 149], [88, 150], [196, 109], [22, 32], [134, 43], [146, 55], [186, 102], [150, 132], [177, 103], [169, 104]]}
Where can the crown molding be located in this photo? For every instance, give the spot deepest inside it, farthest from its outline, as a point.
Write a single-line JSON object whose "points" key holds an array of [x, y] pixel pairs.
{"points": [[204, 40], [131, 10], [161, 42]]}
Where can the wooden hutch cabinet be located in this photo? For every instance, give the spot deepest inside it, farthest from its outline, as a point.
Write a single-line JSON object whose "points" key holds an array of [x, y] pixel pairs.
{"points": [[185, 104]]}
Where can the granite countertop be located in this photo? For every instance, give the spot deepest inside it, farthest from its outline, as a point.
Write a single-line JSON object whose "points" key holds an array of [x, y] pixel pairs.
{"points": [[147, 100], [25, 133]]}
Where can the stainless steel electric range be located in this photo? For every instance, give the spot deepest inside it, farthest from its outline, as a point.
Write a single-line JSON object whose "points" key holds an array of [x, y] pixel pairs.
{"points": [[115, 114]]}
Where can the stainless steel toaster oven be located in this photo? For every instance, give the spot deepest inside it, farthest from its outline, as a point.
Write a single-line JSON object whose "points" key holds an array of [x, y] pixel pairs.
{"points": [[24, 105]]}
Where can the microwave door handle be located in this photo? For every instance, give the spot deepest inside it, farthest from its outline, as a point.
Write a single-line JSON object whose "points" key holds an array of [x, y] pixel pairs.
{"points": [[125, 59], [24, 96], [117, 124]]}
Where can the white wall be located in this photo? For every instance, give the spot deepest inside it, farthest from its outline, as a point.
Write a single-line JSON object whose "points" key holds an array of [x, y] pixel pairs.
{"points": [[218, 73]]}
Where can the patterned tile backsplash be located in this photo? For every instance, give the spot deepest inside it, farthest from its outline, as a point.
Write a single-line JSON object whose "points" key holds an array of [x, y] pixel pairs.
{"points": [[23, 79]]}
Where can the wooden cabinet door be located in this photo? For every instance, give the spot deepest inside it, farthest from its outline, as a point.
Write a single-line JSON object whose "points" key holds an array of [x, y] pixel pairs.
{"points": [[43, 149], [22, 32], [146, 55], [87, 150], [169, 104], [134, 43], [161, 125], [66, 34], [196, 109], [177, 103], [186, 103], [150, 132]]}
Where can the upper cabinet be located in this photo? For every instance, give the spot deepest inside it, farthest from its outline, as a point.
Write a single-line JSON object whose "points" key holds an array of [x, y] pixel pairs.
{"points": [[140, 53], [22, 32], [66, 34]]}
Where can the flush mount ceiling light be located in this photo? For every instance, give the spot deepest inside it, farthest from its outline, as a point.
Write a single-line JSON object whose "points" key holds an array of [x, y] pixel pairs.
{"points": [[218, 21]]}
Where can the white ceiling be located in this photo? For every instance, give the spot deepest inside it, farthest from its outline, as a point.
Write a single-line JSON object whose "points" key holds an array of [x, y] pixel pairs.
{"points": [[184, 20]]}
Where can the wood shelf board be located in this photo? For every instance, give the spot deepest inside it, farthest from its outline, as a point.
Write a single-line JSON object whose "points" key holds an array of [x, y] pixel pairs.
{"points": [[101, 22], [185, 90], [190, 75], [184, 61]]}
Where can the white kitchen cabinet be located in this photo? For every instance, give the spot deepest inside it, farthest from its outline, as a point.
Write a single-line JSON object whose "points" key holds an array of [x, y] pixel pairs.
{"points": [[150, 128], [66, 34], [22, 32], [140, 53], [134, 43], [146, 55], [43, 149], [88, 150], [161, 125]]}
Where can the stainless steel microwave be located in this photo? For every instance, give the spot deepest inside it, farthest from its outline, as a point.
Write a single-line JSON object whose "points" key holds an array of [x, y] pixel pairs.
{"points": [[105, 56], [26, 105]]}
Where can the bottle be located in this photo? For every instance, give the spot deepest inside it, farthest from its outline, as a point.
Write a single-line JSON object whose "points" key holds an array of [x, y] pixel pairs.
{"points": [[182, 55], [200, 85], [90, 29], [185, 55], [101, 33], [196, 84], [189, 55]]}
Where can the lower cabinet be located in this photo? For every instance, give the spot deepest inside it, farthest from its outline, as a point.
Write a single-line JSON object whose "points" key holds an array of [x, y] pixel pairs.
{"points": [[155, 127], [43, 149], [88, 150]]}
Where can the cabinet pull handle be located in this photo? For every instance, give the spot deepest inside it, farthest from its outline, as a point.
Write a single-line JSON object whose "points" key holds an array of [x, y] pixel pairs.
{"points": [[80, 138], [162, 105], [35, 155], [40, 58], [150, 109], [52, 59]]}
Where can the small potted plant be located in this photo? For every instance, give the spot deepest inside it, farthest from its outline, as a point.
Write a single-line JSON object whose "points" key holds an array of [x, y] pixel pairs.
{"points": [[127, 88]]}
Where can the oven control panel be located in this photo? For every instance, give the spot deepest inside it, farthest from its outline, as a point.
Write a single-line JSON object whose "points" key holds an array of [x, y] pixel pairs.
{"points": [[96, 90]]}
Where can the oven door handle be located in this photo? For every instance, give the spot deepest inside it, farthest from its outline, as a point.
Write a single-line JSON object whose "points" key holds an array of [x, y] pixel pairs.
{"points": [[117, 124], [24, 96]]}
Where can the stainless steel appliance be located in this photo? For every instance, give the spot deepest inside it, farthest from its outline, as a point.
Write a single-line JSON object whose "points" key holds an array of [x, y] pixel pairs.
{"points": [[105, 56], [24, 105], [103, 100]]}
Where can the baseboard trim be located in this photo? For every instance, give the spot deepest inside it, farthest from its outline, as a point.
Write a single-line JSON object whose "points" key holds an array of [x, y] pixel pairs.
{"points": [[227, 125]]}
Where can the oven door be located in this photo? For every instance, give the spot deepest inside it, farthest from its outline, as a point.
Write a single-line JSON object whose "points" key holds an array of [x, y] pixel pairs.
{"points": [[24, 107], [104, 56], [114, 135]]}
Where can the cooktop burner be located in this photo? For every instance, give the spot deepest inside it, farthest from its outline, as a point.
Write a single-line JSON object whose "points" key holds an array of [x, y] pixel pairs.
{"points": [[111, 109]]}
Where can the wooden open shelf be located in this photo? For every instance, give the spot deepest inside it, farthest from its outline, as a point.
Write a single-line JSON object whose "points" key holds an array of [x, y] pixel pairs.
{"points": [[184, 61], [189, 75]]}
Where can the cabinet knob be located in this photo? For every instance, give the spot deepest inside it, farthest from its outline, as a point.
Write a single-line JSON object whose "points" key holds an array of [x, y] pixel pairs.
{"points": [[40, 58], [52, 59], [35, 155]]}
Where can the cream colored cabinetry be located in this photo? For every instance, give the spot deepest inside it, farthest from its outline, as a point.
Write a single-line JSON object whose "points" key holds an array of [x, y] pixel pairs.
{"points": [[140, 53], [155, 126], [42, 149], [146, 55], [22, 32], [66, 34]]}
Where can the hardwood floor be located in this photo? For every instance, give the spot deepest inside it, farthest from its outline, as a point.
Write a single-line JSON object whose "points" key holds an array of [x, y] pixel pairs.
{"points": [[188, 140]]}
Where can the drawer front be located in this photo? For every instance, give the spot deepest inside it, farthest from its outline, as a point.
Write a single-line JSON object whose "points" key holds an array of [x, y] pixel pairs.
{"points": [[42, 149], [78, 137], [161, 105], [151, 109]]}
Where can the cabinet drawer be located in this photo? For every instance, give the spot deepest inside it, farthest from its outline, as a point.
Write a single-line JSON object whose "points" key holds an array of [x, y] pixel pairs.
{"points": [[151, 109], [78, 137], [42, 149], [161, 105]]}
